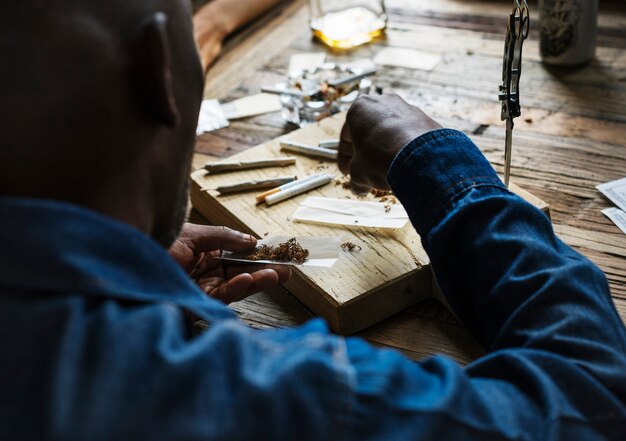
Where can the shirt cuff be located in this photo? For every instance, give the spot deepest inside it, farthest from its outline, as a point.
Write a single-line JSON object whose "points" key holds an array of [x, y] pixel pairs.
{"points": [[433, 170]]}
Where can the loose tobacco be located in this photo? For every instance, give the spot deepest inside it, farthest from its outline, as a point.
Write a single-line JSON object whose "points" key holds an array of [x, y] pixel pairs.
{"points": [[290, 251], [350, 247]]}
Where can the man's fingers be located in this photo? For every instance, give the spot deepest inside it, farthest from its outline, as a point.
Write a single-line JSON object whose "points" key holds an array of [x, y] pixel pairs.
{"points": [[343, 161], [283, 271], [264, 279], [233, 289], [246, 284], [202, 238], [345, 150], [359, 183], [360, 189]]}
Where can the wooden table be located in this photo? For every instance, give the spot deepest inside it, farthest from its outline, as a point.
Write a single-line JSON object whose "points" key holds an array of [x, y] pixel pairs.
{"points": [[571, 136]]}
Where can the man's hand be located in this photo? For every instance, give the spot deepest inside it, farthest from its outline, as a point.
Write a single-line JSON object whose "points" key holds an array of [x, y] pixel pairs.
{"points": [[219, 18], [376, 129], [209, 35], [196, 250]]}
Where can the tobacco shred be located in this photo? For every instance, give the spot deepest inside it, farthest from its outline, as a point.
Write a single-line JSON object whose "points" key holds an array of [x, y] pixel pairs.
{"points": [[385, 196], [350, 247], [389, 202], [290, 251], [344, 181], [381, 193]]}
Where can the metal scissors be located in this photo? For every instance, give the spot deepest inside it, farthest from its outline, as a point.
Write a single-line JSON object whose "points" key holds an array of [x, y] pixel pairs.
{"points": [[517, 28]]}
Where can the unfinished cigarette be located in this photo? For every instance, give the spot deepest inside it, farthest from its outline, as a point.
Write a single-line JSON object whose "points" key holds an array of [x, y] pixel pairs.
{"points": [[256, 184], [261, 197], [352, 78], [218, 167], [298, 189], [308, 150], [329, 144]]}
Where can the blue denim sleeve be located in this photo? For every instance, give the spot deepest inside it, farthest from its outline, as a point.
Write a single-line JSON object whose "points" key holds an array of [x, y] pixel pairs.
{"points": [[556, 362]]}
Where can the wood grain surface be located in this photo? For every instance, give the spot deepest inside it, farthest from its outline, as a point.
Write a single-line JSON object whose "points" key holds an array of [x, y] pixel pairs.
{"points": [[571, 136], [389, 272]]}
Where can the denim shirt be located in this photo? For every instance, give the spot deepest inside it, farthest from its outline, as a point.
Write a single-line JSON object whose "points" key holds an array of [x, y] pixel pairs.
{"points": [[96, 346]]}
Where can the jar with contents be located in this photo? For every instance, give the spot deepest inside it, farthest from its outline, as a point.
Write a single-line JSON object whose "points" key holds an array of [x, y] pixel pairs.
{"points": [[567, 34], [344, 24]]}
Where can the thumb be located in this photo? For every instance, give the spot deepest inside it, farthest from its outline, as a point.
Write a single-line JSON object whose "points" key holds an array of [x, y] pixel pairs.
{"points": [[359, 181], [201, 238], [345, 150]]}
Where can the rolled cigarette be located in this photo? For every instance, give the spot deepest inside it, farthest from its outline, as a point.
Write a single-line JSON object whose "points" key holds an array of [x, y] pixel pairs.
{"points": [[298, 189], [261, 197], [308, 150], [352, 78], [329, 144], [256, 184], [218, 167]]}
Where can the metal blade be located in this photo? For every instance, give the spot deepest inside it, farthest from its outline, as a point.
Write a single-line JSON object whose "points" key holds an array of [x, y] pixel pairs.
{"points": [[507, 151]]}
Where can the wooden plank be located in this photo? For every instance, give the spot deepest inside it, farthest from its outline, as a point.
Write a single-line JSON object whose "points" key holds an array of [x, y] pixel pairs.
{"points": [[388, 274]]}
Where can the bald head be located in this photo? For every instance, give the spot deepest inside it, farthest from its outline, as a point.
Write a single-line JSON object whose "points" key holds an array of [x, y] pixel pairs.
{"points": [[99, 106]]}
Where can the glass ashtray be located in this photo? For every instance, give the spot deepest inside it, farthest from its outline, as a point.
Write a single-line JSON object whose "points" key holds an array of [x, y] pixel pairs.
{"points": [[309, 96]]}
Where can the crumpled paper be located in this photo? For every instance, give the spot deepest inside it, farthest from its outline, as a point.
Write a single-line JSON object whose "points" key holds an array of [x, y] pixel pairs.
{"points": [[211, 117]]}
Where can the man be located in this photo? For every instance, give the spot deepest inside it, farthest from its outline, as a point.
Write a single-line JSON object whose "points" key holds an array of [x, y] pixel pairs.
{"points": [[98, 113]]}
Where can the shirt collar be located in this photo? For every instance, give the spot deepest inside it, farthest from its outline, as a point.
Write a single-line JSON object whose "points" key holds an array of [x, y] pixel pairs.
{"points": [[55, 247]]}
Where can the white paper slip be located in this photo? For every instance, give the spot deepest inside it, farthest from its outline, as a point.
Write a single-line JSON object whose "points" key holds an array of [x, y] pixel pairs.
{"points": [[617, 216], [252, 105], [615, 191], [211, 117], [349, 212], [409, 58], [323, 251], [309, 62]]}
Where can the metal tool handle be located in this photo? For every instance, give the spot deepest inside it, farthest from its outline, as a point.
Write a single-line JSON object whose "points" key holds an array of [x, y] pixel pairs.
{"points": [[518, 25]]}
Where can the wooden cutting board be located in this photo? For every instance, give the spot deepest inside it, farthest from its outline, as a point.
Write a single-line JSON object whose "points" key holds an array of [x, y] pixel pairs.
{"points": [[388, 274]]}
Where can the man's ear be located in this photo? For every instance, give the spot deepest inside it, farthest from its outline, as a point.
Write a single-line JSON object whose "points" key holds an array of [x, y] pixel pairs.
{"points": [[152, 73]]}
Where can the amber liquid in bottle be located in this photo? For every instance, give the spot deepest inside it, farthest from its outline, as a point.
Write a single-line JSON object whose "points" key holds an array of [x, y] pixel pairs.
{"points": [[349, 28]]}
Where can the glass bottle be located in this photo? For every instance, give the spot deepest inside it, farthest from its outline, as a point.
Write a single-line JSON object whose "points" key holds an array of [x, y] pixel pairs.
{"points": [[344, 24]]}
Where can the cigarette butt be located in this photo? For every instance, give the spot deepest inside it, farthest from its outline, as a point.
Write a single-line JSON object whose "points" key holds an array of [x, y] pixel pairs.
{"points": [[329, 144], [308, 150], [352, 78], [261, 198], [290, 92], [298, 189]]}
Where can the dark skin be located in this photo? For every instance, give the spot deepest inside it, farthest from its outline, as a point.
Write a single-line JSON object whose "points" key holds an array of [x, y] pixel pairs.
{"points": [[99, 109], [218, 18], [377, 127], [197, 249]]}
